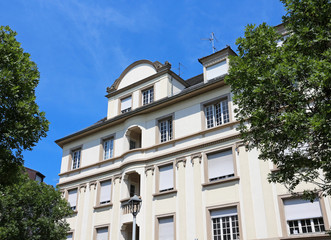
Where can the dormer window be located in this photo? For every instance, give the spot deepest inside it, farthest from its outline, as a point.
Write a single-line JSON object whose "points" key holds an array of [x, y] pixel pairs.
{"points": [[126, 104], [148, 96], [217, 70]]}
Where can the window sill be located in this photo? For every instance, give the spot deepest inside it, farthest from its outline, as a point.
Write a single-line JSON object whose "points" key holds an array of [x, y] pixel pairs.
{"points": [[164, 193], [106, 160], [311, 236], [232, 179], [224, 125], [103, 206]]}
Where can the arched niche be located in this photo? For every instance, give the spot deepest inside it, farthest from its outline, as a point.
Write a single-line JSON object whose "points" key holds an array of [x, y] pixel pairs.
{"points": [[133, 135]]}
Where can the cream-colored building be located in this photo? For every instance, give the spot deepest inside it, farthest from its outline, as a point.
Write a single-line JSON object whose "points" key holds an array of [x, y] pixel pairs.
{"points": [[174, 143]]}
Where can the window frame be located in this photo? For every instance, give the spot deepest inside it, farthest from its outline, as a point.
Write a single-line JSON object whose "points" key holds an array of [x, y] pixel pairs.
{"points": [[158, 133], [120, 104], [214, 101], [98, 204], [67, 197], [284, 225], [156, 227], [95, 232], [102, 147], [206, 170], [209, 224], [71, 157], [142, 95], [157, 179], [72, 233]]}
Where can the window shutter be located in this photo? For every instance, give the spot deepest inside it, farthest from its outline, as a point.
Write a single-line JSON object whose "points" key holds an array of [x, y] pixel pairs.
{"points": [[105, 191], [102, 234], [166, 177], [220, 164], [296, 209], [126, 103], [72, 197], [223, 212], [166, 228]]}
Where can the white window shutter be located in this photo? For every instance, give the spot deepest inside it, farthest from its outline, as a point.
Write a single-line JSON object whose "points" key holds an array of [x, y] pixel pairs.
{"points": [[220, 164], [72, 197], [126, 103], [102, 234], [105, 191], [297, 208], [166, 228], [166, 177], [223, 212]]}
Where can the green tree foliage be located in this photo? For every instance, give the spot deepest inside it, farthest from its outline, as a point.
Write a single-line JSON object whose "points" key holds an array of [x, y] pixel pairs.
{"points": [[21, 122], [283, 94], [31, 211]]}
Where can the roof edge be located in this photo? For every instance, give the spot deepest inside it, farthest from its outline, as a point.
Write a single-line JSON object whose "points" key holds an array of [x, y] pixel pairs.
{"points": [[227, 48]]}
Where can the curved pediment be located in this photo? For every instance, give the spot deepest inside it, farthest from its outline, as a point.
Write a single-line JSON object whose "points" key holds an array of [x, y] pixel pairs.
{"points": [[135, 72]]}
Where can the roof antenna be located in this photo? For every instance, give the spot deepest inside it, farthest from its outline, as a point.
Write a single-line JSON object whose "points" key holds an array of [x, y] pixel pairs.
{"points": [[211, 40], [180, 64]]}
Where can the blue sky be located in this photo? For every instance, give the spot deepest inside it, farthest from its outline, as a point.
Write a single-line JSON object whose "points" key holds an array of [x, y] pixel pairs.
{"points": [[81, 47]]}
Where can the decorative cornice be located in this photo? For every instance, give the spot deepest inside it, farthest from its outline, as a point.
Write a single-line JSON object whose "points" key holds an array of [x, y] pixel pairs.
{"points": [[93, 184], [149, 168], [119, 177], [230, 124], [239, 144], [181, 159], [148, 160], [219, 54], [82, 186], [164, 102], [215, 61], [159, 67], [196, 155]]}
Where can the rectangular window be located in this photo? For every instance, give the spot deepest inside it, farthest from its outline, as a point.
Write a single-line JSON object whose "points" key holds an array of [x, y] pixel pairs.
{"points": [[225, 224], [105, 192], [166, 178], [303, 216], [39, 178], [102, 233], [217, 113], [75, 159], [108, 148], [220, 165], [148, 96], [165, 128], [72, 198], [126, 104], [69, 236], [166, 228]]}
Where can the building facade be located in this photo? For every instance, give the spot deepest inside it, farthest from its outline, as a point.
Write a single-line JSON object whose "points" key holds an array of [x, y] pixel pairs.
{"points": [[174, 143], [34, 175]]}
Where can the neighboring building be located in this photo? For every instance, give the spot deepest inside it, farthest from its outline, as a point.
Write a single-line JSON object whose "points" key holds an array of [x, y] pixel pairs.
{"points": [[174, 143], [34, 175]]}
